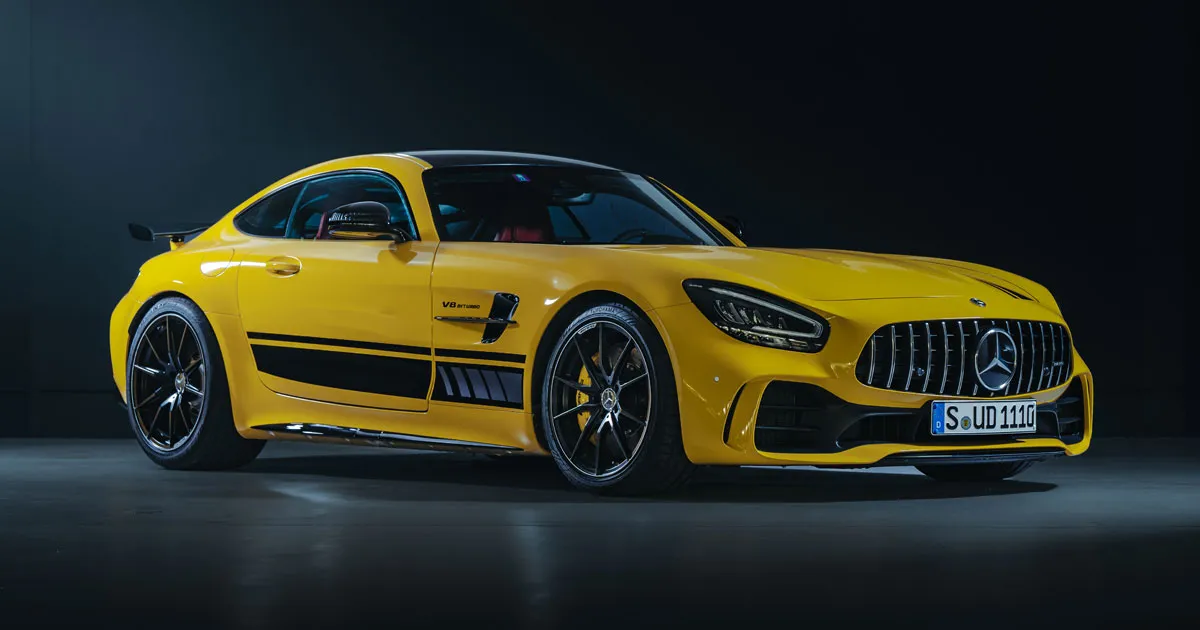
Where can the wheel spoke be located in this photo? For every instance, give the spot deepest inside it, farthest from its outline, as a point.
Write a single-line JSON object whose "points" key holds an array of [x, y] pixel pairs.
{"points": [[187, 424], [157, 356], [587, 364], [148, 399], [577, 408], [632, 418], [600, 351], [153, 423], [621, 358], [179, 350], [619, 437], [584, 434], [575, 385], [599, 445], [193, 365], [171, 423], [167, 334], [631, 381], [193, 390], [148, 370]]}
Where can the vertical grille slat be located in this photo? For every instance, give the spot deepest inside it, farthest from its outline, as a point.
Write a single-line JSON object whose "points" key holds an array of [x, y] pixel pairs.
{"points": [[1042, 354], [1053, 358], [1032, 358], [945, 359], [1020, 357], [928, 357], [975, 386], [912, 356], [1042, 366], [892, 362], [962, 357], [871, 372]]}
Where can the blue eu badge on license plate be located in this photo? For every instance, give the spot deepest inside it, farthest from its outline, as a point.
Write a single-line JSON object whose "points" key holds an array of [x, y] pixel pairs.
{"points": [[939, 418]]}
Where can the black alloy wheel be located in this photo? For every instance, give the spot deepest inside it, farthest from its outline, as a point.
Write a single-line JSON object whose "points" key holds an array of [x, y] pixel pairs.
{"points": [[167, 385], [608, 407], [177, 393]]}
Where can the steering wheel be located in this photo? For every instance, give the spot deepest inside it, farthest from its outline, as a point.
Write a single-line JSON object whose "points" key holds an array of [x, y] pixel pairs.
{"points": [[628, 234]]}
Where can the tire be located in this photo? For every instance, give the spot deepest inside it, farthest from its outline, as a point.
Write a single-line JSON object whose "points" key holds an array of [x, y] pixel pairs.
{"points": [[175, 367], [593, 430], [975, 472]]}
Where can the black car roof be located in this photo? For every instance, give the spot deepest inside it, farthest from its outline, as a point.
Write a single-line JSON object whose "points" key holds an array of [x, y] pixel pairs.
{"points": [[445, 158]]}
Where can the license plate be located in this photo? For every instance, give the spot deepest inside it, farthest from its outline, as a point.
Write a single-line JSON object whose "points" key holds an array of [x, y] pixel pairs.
{"points": [[969, 417]]}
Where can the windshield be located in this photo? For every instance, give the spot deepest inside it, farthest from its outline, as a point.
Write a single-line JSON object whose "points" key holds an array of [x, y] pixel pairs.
{"points": [[563, 205]]}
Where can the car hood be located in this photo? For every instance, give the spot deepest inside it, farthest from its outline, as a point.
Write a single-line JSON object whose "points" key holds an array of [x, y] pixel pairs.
{"points": [[833, 275]]}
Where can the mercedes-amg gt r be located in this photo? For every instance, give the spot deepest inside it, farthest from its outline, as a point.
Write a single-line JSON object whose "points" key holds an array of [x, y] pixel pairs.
{"points": [[511, 303]]}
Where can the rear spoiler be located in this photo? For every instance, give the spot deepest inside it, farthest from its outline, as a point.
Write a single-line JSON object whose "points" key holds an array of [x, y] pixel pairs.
{"points": [[177, 233]]}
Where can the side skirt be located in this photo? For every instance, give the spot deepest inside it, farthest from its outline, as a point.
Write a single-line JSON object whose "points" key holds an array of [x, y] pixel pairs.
{"points": [[366, 437]]}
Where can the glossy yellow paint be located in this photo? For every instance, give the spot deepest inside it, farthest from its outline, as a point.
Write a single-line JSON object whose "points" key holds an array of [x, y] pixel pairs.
{"points": [[393, 294]]}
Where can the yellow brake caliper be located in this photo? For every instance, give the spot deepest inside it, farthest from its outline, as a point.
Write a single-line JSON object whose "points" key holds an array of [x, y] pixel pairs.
{"points": [[585, 379]]}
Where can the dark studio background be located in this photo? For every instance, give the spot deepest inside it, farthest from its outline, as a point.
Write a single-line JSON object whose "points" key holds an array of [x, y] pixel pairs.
{"points": [[1051, 141]]}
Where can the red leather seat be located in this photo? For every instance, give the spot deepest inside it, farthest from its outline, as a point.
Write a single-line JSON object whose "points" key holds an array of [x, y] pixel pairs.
{"points": [[522, 234], [526, 224]]}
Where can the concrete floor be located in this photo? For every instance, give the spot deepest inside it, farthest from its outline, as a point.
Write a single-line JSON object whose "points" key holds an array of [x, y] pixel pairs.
{"points": [[91, 531]]}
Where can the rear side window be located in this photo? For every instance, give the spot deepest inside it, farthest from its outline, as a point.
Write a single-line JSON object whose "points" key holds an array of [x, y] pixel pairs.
{"points": [[295, 211], [327, 193], [268, 216]]}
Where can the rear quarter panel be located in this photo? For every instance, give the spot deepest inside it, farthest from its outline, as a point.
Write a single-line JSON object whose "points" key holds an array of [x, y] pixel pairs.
{"points": [[203, 271]]}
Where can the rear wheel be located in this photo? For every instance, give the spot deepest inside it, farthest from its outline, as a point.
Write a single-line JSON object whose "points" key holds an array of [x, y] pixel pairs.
{"points": [[177, 393], [974, 472], [609, 408]]}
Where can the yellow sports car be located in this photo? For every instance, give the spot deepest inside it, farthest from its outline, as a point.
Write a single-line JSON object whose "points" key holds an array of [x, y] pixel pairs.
{"points": [[511, 303]]}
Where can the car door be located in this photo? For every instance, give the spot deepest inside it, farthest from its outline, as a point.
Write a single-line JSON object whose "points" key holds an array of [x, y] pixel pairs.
{"points": [[336, 320]]}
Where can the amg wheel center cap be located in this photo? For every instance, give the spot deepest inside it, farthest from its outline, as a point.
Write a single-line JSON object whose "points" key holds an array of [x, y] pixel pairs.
{"points": [[180, 382], [608, 399]]}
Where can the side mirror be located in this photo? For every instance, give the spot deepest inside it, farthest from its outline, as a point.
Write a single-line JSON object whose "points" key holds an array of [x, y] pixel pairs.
{"points": [[732, 223], [360, 221]]}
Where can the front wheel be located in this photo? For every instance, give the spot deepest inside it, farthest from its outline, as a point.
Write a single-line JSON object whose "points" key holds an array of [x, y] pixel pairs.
{"points": [[609, 410], [178, 396], [975, 472]]}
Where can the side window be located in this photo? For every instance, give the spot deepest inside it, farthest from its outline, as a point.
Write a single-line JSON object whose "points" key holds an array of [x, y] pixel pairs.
{"points": [[269, 216], [609, 216], [327, 193]]}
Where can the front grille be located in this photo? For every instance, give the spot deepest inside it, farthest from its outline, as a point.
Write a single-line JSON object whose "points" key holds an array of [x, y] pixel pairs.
{"points": [[937, 357]]}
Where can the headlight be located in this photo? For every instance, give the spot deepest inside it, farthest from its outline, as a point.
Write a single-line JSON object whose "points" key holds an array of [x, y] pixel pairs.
{"points": [[757, 317]]}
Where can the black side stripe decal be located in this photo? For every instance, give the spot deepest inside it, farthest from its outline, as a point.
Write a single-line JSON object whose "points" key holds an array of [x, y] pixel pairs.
{"points": [[344, 343], [389, 347], [477, 354], [480, 385], [371, 373]]}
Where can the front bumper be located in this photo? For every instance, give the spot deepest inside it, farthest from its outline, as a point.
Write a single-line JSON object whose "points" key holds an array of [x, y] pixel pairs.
{"points": [[735, 396]]}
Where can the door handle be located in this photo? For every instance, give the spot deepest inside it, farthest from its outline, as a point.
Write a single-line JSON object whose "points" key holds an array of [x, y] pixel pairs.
{"points": [[283, 266]]}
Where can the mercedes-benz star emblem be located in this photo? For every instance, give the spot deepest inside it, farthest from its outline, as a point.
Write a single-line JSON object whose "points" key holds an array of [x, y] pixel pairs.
{"points": [[608, 399], [978, 302], [995, 359]]}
